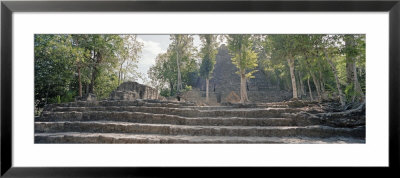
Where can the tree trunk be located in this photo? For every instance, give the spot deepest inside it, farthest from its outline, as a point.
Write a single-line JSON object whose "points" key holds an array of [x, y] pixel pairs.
{"points": [[309, 88], [357, 86], [349, 71], [301, 84], [316, 83], [243, 91], [171, 92], [298, 84], [293, 78], [351, 68], [341, 96], [322, 87], [79, 72], [79, 81], [349, 42], [278, 80], [207, 83], [179, 86], [47, 93], [120, 74], [302, 91], [92, 83], [94, 73]]}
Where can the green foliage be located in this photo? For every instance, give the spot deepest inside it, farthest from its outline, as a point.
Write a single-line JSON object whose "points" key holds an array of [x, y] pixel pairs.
{"points": [[58, 58], [330, 87], [100, 62], [208, 54], [105, 84], [55, 59], [311, 53], [128, 58], [165, 92], [285, 46], [68, 97], [58, 99], [349, 92], [243, 55], [164, 73], [353, 51], [188, 88]]}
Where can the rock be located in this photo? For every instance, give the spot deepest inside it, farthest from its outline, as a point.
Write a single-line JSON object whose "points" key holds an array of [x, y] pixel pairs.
{"points": [[233, 97], [132, 90]]}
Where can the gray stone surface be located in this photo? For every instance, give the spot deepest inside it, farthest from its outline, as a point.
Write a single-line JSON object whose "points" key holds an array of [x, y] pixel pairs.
{"points": [[76, 137], [132, 90], [169, 129], [142, 117], [155, 121], [188, 112]]}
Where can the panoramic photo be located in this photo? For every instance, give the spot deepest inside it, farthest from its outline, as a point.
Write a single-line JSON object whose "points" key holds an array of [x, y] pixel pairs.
{"points": [[200, 88]]}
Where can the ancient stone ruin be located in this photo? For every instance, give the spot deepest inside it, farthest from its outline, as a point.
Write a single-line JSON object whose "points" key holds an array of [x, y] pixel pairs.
{"points": [[224, 81], [132, 90]]}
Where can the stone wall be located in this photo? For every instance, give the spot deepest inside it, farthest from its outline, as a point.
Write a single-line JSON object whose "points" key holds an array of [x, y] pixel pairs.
{"points": [[132, 91]]}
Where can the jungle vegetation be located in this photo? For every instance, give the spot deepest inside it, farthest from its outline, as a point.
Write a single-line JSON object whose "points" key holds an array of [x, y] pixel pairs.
{"points": [[70, 66]]}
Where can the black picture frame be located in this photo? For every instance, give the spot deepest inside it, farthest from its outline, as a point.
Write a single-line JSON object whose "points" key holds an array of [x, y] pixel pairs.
{"points": [[8, 7]]}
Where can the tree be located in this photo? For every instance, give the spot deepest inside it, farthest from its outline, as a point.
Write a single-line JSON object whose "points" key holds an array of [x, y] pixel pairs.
{"points": [[286, 47], [244, 58], [80, 55], [165, 70], [309, 88], [104, 51], [129, 57], [56, 59], [354, 45], [181, 46], [330, 50], [65, 64], [208, 54], [310, 46]]}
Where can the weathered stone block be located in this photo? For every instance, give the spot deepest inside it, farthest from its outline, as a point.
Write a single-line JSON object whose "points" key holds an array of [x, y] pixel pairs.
{"points": [[132, 90]]}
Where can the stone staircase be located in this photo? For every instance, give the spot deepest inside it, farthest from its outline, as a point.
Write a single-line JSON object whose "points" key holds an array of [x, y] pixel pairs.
{"points": [[154, 121]]}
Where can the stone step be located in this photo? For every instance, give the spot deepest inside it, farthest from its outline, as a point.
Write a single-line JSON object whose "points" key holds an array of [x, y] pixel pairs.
{"points": [[140, 117], [275, 106], [189, 112], [253, 105], [166, 129], [75, 137], [209, 107], [167, 101], [148, 103]]}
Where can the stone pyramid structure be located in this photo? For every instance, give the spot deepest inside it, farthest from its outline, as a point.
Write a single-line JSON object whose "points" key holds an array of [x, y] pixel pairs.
{"points": [[225, 81]]}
